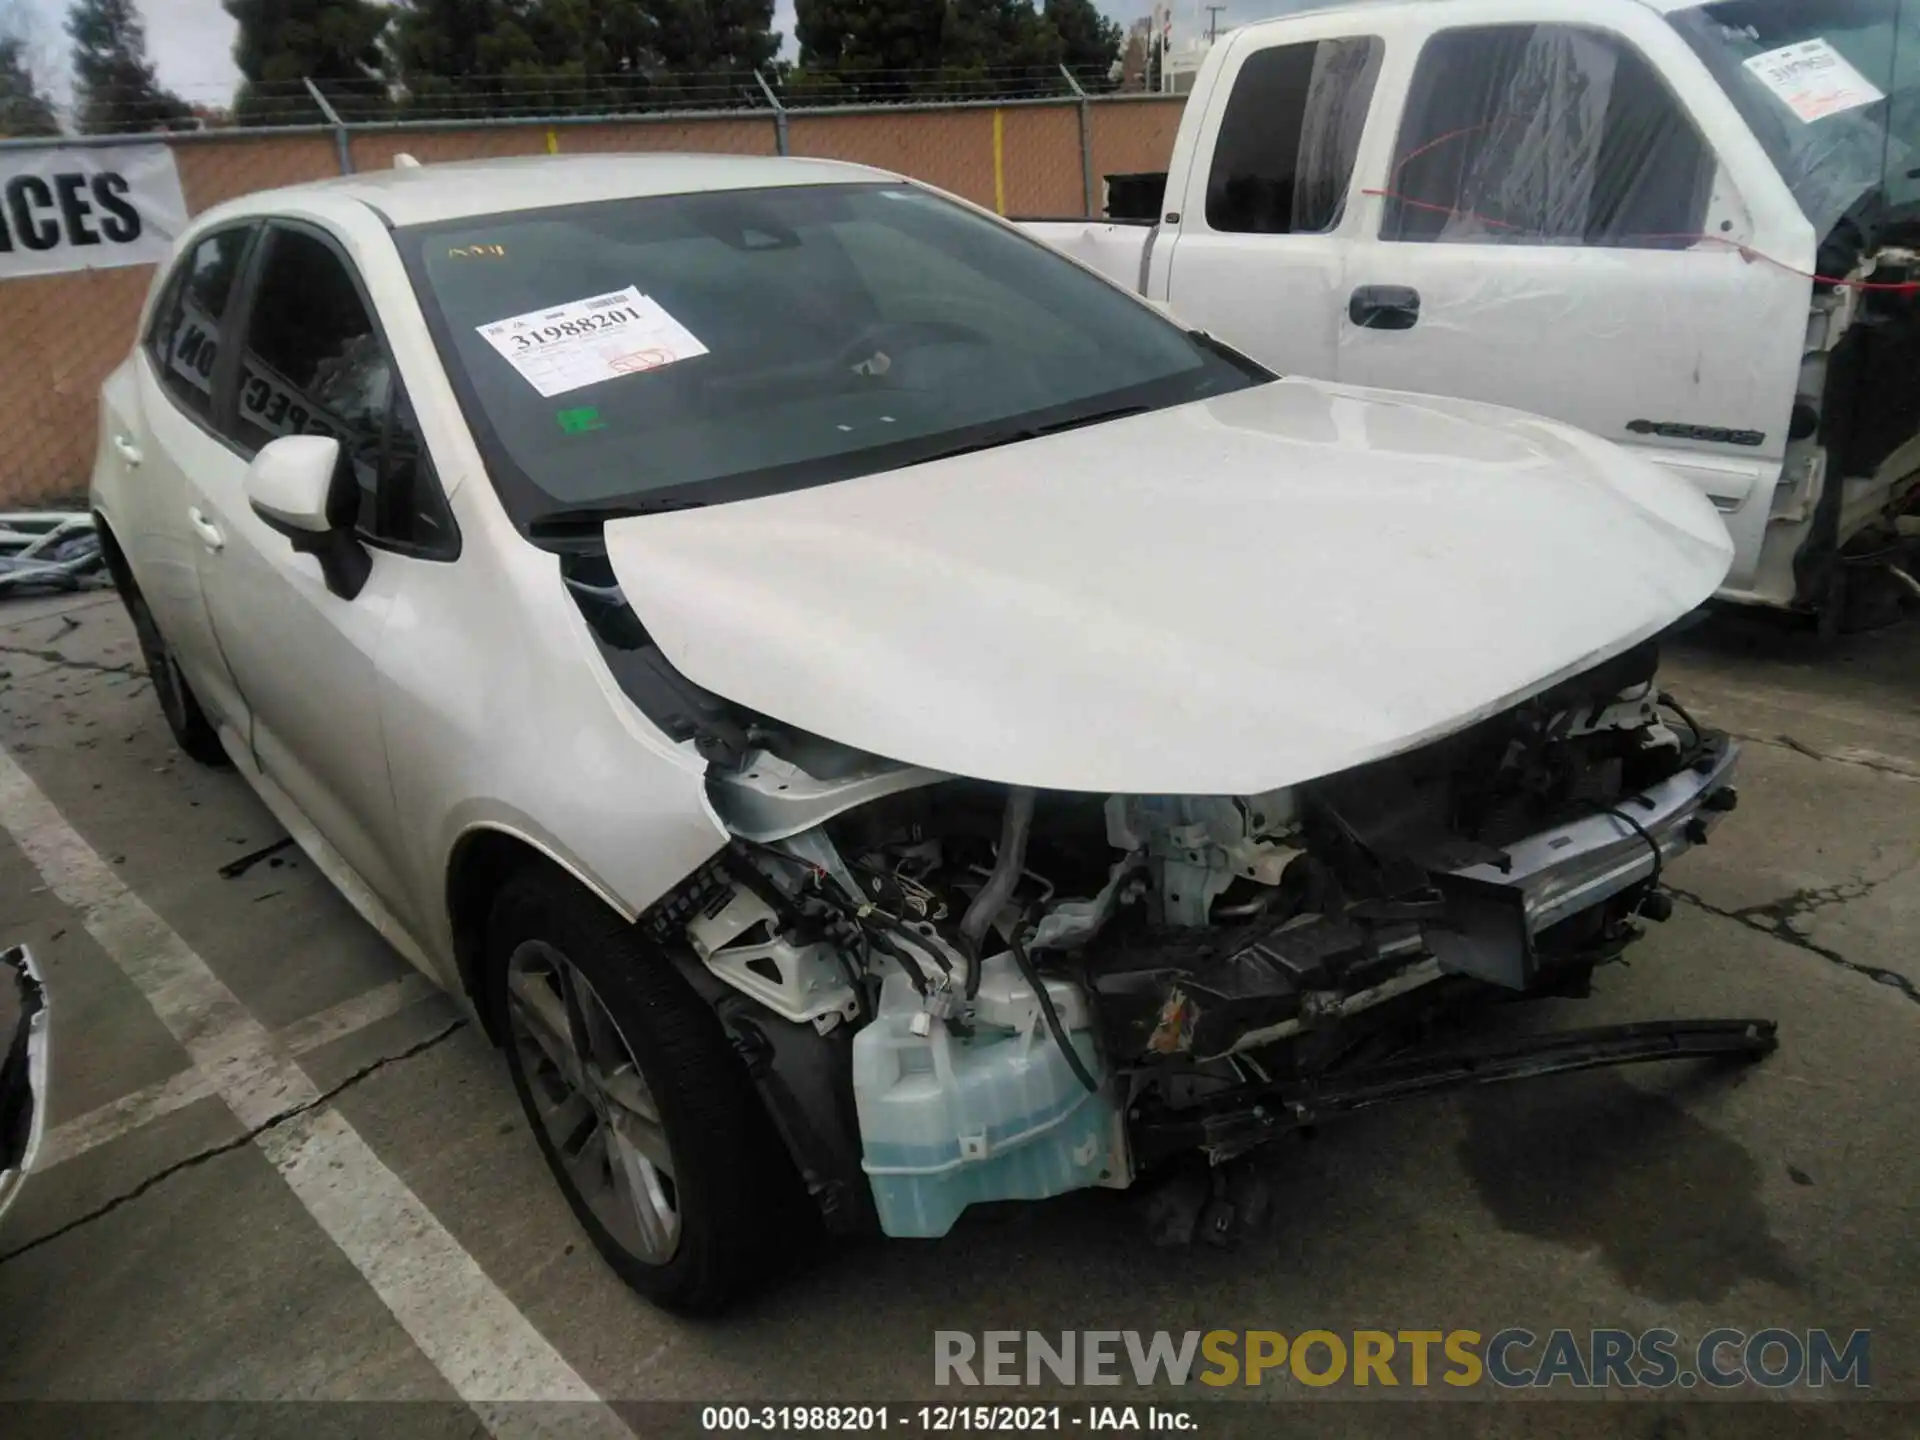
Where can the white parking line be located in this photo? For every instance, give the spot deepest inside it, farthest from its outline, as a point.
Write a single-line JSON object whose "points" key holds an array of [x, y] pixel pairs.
{"points": [[73, 1138], [356, 1013], [473, 1335]]}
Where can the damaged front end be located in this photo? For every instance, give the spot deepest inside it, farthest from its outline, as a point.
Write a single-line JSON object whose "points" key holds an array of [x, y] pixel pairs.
{"points": [[952, 991]]}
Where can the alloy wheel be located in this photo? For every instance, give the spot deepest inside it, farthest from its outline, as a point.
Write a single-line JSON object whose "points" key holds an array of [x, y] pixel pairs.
{"points": [[591, 1099]]}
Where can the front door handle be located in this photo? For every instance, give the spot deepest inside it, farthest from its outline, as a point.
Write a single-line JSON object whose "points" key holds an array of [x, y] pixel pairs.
{"points": [[124, 447], [208, 532], [1385, 307]]}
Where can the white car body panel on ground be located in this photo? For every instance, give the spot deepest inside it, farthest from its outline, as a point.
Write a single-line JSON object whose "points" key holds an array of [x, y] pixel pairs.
{"points": [[26, 1039]]}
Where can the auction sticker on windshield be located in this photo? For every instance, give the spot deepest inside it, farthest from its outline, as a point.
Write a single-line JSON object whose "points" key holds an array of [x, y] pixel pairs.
{"points": [[583, 342], [1813, 80]]}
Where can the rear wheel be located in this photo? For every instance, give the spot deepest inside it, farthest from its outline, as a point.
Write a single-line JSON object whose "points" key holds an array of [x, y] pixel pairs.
{"points": [[644, 1112], [188, 722]]}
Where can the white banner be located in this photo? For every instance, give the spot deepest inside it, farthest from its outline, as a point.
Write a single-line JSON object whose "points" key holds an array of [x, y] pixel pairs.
{"points": [[72, 207]]}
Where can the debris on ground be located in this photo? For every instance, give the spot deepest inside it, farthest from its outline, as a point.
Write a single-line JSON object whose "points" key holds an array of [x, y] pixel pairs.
{"points": [[23, 1068], [44, 550], [233, 869]]}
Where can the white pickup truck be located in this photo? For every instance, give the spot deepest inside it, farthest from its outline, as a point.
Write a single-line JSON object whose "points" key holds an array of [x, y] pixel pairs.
{"points": [[1682, 227]]}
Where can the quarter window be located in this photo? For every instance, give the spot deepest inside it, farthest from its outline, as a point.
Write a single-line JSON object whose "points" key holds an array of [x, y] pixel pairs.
{"points": [[313, 364], [1285, 153], [185, 341], [1544, 135]]}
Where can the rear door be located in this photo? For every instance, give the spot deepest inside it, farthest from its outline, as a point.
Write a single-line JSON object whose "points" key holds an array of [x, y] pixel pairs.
{"points": [[312, 360], [160, 428], [1566, 239], [1258, 252]]}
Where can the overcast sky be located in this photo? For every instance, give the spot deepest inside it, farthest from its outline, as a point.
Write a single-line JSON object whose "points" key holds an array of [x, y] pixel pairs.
{"points": [[191, 41]]}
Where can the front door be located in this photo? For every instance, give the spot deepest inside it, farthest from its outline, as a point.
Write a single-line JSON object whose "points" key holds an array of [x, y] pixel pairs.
{"points": [[1264, 223], [313, 362], [1567, 242], [162, 432]]}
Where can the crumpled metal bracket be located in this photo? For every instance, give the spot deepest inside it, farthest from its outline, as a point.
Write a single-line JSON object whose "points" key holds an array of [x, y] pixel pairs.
{"points": [[50, 550]]}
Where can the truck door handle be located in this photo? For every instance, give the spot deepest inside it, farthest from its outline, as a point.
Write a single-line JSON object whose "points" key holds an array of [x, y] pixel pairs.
{"points": [[208, 532], [1384, 307], [125, 448]]}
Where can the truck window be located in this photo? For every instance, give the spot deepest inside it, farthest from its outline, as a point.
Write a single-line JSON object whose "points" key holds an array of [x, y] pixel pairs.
{"points": [[1284, 157], [1544, 135], [1858, 146]]}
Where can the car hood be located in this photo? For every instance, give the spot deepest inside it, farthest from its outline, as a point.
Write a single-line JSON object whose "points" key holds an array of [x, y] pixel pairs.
{"points": [[1221, 598]]}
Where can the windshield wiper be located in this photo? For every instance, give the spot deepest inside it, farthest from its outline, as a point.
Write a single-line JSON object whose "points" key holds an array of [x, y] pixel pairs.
{"points": [[576, 522], [1098, 417], [1033, 432]]}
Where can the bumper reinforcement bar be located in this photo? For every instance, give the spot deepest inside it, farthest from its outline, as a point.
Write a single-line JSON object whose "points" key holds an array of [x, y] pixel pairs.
{"points": [[1246, 1117]]}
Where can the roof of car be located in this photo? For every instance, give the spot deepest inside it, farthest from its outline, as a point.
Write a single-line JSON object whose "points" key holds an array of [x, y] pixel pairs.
{"points": [[422, 194]]}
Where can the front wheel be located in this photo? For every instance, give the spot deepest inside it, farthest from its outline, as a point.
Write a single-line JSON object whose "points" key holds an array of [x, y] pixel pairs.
{"points": [[644, 1112]]}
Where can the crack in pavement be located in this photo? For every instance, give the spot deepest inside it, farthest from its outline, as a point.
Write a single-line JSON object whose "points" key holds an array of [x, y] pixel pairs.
{"points": [[54, 657], [19, 622], [1893, 766], [228, 1146], [1775, 916]]}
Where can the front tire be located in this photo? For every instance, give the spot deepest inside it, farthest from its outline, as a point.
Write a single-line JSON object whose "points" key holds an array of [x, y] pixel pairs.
{"points": [[644, 1112]]}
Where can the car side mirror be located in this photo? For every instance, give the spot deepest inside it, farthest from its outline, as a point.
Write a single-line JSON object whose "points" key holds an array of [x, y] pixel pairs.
{"points": [[301, 487]]}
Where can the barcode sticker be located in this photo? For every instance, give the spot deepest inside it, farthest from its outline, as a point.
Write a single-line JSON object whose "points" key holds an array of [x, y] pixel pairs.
{"points": [[1813, 80], [584, 342]]}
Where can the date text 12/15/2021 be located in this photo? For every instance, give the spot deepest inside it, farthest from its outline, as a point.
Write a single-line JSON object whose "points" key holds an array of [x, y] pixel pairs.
{"points": [[946, 1419]]}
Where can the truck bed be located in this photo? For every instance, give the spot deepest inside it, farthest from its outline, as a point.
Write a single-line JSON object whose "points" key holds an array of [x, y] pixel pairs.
{"points": [[1116, 248]]}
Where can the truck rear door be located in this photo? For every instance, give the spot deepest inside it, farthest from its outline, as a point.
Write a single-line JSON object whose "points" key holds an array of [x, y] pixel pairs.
{"points": [[1261, 188], [1562, 224]]}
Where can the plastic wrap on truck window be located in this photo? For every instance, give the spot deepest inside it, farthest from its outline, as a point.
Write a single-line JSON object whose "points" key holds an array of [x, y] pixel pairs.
{"points": [[1544, 135]]}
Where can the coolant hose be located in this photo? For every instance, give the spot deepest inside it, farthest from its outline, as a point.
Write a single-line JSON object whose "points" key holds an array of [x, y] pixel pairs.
{"points": [[993, 896]]}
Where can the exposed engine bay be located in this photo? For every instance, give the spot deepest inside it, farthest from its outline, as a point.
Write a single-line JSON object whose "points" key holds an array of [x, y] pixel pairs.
{"points": [[951, 991]]}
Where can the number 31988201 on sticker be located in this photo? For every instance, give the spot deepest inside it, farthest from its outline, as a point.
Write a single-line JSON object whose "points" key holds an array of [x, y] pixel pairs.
{"points": [[583, 342]]}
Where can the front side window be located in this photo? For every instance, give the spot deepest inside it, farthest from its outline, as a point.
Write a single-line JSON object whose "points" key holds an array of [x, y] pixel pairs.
{"points": [[1830, 88], [1284, 155], [1544, 135], [687, 349], [185, 340], [314, 364]]}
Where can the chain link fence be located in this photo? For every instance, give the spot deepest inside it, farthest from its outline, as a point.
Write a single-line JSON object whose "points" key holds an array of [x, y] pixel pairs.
{"points": [[1020, 144]]}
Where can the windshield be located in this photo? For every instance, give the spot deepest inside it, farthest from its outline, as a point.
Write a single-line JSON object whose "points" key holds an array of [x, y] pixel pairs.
{"points": [[638, 354], [1817, 80]]}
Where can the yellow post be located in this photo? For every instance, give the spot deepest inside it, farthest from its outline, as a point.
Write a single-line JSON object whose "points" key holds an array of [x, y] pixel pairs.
{"points": [[999, 163], [553, 142]]}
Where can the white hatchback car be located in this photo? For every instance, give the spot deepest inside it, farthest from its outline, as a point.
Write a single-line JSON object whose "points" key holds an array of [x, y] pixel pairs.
{"points": [[873, 717]]}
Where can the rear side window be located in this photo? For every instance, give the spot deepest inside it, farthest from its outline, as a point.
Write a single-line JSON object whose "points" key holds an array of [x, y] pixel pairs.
{"points": [[1544, 135], [1285, 153], [313, 364], [186, 336]]}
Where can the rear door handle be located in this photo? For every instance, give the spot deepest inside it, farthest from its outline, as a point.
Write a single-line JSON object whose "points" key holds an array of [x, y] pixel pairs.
{"points": [[208, 532], [1385, 307], [125, 448]]}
